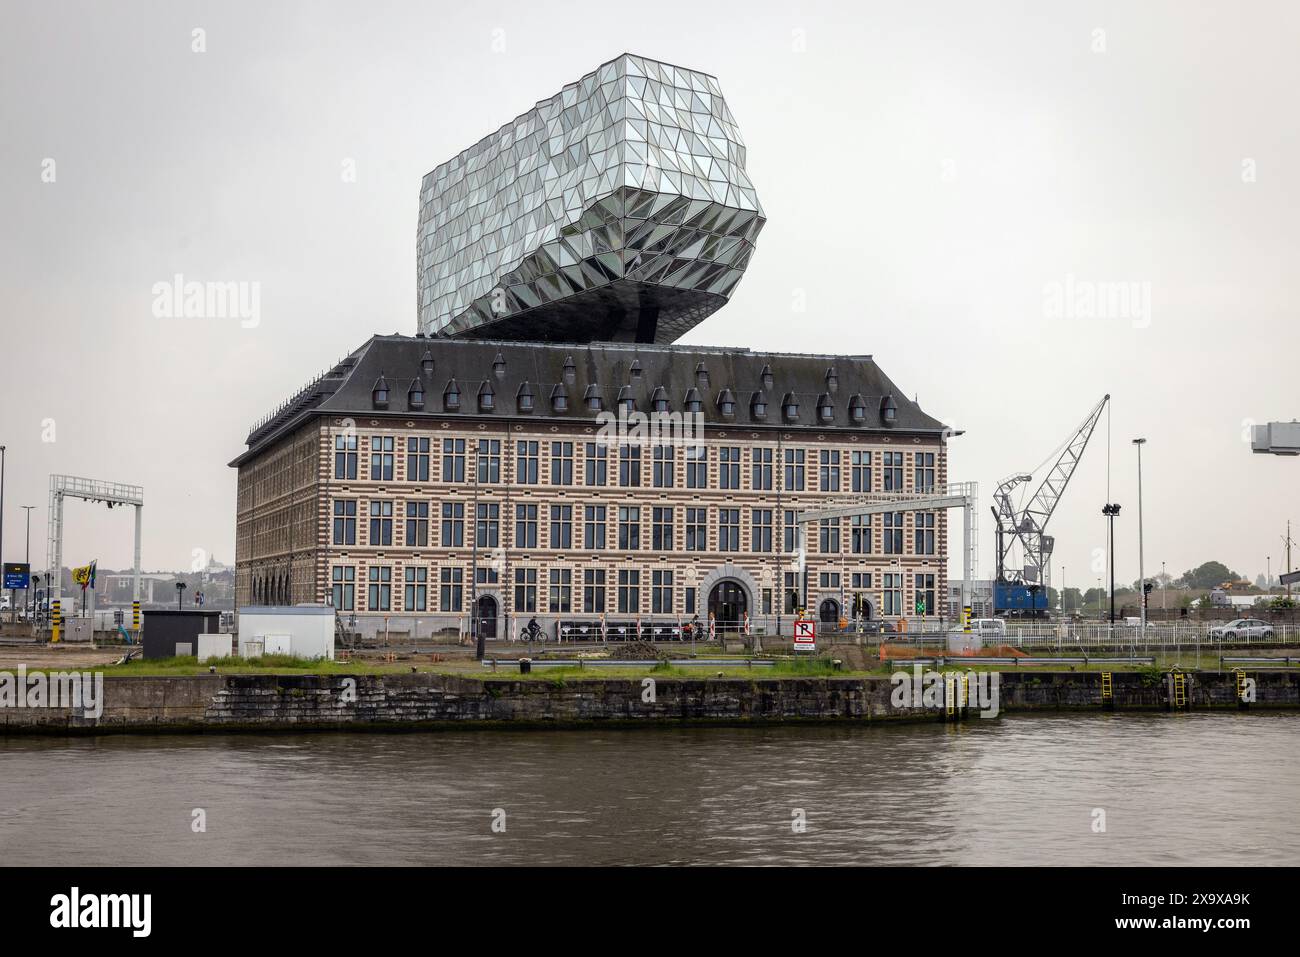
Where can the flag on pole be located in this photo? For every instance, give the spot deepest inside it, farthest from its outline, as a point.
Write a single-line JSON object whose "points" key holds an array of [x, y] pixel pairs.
{"points": [[85, 575]]}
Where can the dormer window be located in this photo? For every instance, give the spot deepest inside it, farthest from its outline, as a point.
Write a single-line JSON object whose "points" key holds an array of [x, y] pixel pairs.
{"points": [[825, 409], [524, 398], [415, 396], [570, 371], [758, 405], [766, 376], [726, 403], [559, 398], [635, 369], [701, 375], [857, 409], [451, 397], [593, 399], [486, 397], [832, 380], [888, 410], [626, 402], [659, 400], [790, 407], [693, 402], [379, 394], [426, 363], [499, 366]]}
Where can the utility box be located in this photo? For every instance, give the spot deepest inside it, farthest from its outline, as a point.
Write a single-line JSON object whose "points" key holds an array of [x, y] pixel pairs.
{"points": [[215, 646], [304, 631], [963, 643], [172, 632]]}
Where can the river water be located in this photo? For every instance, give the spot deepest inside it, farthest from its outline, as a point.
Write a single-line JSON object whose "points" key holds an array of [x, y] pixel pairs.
{"points": [[1175, 789]]}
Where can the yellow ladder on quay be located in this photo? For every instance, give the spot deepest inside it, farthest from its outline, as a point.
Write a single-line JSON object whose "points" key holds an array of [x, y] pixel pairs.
{"points": [[1180, 690], [1107, 687]]}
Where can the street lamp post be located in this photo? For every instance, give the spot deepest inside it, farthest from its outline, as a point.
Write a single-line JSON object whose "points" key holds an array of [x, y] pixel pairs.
{"points": [[180, 591], [1142, 581], [1111, 511], [28, 558]]}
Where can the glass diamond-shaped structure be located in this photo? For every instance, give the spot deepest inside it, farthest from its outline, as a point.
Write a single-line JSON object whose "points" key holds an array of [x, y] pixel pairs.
{"points": [[617, 210]]}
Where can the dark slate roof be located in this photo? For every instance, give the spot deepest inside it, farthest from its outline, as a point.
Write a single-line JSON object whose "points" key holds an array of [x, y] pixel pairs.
{"points": [[345, 390]]}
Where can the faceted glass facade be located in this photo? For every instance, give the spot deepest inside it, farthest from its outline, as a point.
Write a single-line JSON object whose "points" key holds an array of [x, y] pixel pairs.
{"points": [[618, 209]]}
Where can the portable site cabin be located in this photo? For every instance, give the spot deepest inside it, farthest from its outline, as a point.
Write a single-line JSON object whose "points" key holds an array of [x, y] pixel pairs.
{"points": [[305, 631], [171, 632]]}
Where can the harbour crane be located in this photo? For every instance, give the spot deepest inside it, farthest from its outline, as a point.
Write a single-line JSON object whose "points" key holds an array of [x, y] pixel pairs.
{"points": [[1028, 526]]}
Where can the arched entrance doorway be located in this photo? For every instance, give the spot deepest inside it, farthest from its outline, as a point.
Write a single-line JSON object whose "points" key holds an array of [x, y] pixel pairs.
{"points": [[487, 616], [829, 611], [728, 604]]}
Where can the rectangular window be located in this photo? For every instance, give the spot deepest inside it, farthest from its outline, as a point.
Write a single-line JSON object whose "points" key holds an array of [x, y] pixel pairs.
{"points": [[453, 525], [345, 457], [417, 459], [789, 531], [860, 530], [761, 472], [345, 522], [661, 592], [924, 595], [829, 580], [629, 466], [893, 533], [794, 470], [487, 525], [690, 599], [697, 467], [629, 527], [893, 471], [525, 590], [728, 529], [594, 529], [767, 601], [450, 585], [453, 461], [828, 470], [526, 463], [697, 530], [381, 524], [665, 462], [593, 591], [760, 530], [923, 472], [661, 528], [924, 523], [595, 469], [561, 526], [381, 458], [343, 581], [379, 595], [525, 526], [792, 599], [828, 536], [861, 465], [416, 595], [486, 575], [861, 588], [629, 591], [729, 467], [561, 594], [892, 594], [489, 461], [561, 463], [417, 524]]}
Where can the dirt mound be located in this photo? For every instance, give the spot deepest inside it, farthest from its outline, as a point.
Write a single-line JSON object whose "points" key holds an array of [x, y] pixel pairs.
{"points": [[636, 651]]}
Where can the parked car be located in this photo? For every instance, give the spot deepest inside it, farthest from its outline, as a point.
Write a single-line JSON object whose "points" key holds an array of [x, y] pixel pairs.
{"points": [[989, 627], [1242, 628], [877, 626]]}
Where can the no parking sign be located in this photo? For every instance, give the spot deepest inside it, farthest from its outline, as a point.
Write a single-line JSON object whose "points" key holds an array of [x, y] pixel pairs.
{"points": [[805, 635]]}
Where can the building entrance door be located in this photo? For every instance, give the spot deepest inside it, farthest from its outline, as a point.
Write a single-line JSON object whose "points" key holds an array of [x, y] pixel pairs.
{"points": [[728, 603]]}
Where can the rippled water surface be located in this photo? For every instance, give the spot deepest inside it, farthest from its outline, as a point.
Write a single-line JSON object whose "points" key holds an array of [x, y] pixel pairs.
{"points": [[1176, 789]]}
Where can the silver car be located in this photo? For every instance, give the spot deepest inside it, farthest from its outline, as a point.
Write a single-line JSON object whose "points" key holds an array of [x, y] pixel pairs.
{"points": [[1242, 628]]}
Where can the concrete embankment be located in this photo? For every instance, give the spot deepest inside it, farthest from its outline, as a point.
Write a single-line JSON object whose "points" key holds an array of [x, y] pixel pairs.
{"points": [[423, 701]]}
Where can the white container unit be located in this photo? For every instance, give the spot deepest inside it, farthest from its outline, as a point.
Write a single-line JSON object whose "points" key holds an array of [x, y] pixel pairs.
{"points": [[214, 646], [305, 631]]}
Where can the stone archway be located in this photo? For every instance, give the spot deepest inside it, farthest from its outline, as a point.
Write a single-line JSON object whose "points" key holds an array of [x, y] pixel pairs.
{"points": [[728, 572], [828, 611], [488, 611]]}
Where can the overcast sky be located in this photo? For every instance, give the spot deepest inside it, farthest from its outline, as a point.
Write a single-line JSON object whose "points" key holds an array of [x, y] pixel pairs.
{"points": [[932, 174]]}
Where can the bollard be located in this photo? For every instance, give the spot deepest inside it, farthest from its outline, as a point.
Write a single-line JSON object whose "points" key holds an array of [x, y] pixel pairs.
{"points": [[525, 666]]}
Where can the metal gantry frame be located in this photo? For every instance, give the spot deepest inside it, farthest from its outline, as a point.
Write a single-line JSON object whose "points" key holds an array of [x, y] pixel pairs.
{"points": [[90, 490], [963, 495]]}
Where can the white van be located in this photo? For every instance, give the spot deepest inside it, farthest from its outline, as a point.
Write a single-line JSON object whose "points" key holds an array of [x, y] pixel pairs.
{"points": [[989, 627]]}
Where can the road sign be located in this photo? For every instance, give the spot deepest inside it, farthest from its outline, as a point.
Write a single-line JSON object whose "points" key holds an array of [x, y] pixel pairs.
{"points": [[17, 575], [805, 635]]}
